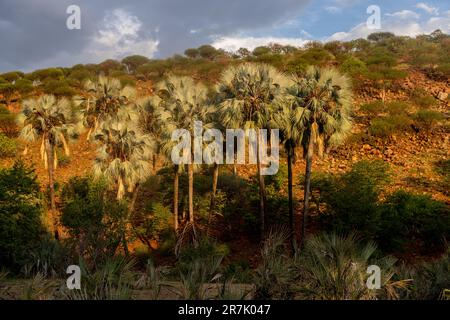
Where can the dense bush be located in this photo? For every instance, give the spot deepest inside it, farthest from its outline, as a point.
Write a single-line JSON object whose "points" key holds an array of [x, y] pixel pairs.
{"points": [[339, 193], [8, 124], [417, 221], [426, 119], [94, 219], [386, 126], [402, 221], [373, 108], [21, 214], [8, 146], [422, 99]]}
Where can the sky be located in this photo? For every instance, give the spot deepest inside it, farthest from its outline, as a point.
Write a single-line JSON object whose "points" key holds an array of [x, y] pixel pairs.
{"points": [[34, 33]]}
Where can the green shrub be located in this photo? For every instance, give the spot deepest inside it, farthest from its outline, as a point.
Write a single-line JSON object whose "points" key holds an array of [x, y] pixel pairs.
{"points": [[21, 214], [93, 218], [426, 119], [8, 124], [385, 127], [397, 108], [354, 66], [345, 214], [424, 101], [8, 146], [406, 217], [373, 108]]}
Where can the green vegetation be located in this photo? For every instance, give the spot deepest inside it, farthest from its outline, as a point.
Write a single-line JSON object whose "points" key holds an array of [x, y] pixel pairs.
{"points": [[139, 222]]}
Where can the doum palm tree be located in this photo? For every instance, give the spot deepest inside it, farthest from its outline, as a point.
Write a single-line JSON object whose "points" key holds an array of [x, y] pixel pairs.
{"points": [[326, 97], [183, 103], [248, 94], [123, 161], [289, 119], [52, 122], [104, 99]]}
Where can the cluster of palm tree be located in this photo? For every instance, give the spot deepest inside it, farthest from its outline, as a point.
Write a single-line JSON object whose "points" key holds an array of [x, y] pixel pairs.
{"points": [[312, 112]]}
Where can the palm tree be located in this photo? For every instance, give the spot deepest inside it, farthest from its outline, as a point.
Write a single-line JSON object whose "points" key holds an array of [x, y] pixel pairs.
{"points": [[326, 97], [184, 102], [104, 99], [53, 122], [290, 121], [123, 155], [149, 108], [248, 94], [123, 160]]}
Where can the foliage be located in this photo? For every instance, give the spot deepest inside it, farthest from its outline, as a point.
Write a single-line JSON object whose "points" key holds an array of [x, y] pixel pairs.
{"points": [[8, 146], [373, 108], [406, 216], [93, 218], [112, 280], [21, 212], [426, 119], [334, 267], [387, 126], [274, 275]]}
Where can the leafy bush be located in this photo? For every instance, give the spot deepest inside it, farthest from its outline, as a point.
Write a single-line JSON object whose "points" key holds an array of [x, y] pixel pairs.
{"points": [[93, 218], [8, 125], [397, 108], [8, 146], [418, 219], [21, 211], [343, 214], [401, 219], [373, 108], [385, 127], [426, 119], [422, 99]]}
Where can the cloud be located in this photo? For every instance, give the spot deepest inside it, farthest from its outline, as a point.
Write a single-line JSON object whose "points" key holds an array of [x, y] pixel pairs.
{"points": [[232, 44], [33, 34], [119, 37], [427, 8], [402, 23], [404, 14], [333, 9]]}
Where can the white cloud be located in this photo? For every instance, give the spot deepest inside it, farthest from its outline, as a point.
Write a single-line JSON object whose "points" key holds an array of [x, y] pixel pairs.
{"points": [[333, 9], [404, 14], [402, 23], [120, 36], [427, 8], [232, 44]]}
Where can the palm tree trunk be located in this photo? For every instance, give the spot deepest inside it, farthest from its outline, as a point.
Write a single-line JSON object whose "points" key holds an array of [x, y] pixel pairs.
{"points": [[65, 145], [262, 191], [129, 219], [154, 162], [120, 189], [175, 199], [213, 195], [290, 195], [191, 192], [51, 184], [309, 159]]}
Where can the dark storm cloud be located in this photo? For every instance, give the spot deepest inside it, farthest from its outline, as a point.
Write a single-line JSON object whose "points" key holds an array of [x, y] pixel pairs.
{"points": [[33, 31]]}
